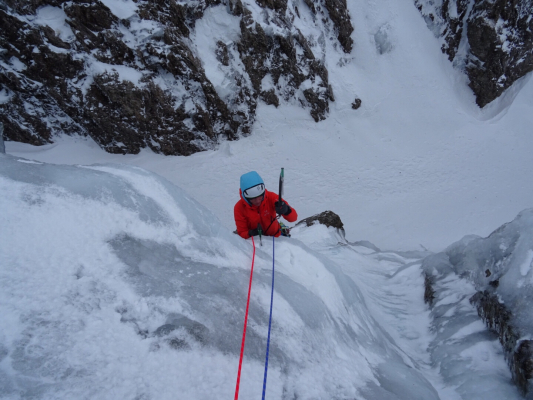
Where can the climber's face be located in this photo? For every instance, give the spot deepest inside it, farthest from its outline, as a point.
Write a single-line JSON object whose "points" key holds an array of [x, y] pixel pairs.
{"points": [[256, 201]]}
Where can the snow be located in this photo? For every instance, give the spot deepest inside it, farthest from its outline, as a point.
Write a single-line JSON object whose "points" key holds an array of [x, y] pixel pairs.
{"points": [[122, 278], [217, 25], [5, 96], [55, 18], [17, 64], [419, 164], [123, 9], [128, 277]]}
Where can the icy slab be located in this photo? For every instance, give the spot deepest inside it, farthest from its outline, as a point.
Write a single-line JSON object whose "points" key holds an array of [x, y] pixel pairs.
{"points": [[116, 284]]}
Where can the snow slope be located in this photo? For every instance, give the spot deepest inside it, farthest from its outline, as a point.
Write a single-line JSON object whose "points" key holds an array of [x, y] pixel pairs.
{"points": [[116, 284], [419, 164]]}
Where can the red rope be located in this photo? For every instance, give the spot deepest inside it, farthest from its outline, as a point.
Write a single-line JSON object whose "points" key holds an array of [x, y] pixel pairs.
{"points": [[245, 323]]}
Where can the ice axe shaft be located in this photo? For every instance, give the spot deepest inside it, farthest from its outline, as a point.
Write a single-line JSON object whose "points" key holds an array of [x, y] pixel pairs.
{"points": [[281, 177]]}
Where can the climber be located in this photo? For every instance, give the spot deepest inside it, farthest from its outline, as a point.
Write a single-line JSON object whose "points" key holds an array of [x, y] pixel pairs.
{"points": [[255, 212]]}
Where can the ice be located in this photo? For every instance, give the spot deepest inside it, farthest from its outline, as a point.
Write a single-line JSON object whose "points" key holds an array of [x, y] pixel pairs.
{"points": [[504, 257], [116, 284], [501, 265]]}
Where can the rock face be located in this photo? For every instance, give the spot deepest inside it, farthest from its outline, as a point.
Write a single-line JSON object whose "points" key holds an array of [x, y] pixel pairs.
{"points": [[499, 269], [328, 218], [519, 352], [491, 40], [2, 147], [141, 80]]}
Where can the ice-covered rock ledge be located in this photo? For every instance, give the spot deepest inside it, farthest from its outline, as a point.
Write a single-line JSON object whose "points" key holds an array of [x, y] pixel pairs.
{"points": [[494, 274]]}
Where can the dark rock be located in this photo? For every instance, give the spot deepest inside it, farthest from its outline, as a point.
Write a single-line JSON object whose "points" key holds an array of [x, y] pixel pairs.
{"points": [[53, 39], [91, 16], [519, 353], [500, 41], [311, 5], [262, 54], [41, 101], [254, 50], [30, 6], [278, 5], [172, 14], [53, 89], [356, 104], [319, 104], [236, 7], [338, 12], [140, 117], [2, 146], [429, 292], [328, 218], [222, 53], [270, 97]]}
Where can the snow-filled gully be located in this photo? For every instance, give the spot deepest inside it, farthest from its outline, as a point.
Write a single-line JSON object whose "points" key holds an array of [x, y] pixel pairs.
{"points": [[455, 352]]}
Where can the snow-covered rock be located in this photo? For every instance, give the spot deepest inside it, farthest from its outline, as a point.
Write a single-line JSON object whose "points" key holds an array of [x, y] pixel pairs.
{"points": [[497, 274], [171, 76], [2, 146], [492, 41]]}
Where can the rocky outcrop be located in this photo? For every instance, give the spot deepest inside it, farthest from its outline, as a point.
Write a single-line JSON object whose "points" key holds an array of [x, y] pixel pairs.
{"points": [[140, 82], [337, 10], [491, 40], [2, 146], [328, 218], [518, 351], [429, 292], [498, 269]]}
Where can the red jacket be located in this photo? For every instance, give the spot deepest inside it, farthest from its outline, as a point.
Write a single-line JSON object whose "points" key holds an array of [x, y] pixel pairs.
{"points": [[247, 216]]}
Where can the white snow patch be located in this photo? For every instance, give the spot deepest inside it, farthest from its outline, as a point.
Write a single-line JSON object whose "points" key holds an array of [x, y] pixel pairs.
{"points": [[55, 18], [123, 9]]}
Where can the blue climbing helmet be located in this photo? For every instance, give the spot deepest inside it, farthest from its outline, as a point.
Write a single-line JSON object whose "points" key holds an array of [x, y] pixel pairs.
{"points": [[252, 185]]}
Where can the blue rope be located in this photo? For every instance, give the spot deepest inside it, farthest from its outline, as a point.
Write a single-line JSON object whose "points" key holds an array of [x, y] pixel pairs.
{"points": [[269, 322]]}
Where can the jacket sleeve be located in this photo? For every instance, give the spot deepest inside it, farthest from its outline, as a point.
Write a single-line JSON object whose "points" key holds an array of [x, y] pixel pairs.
{"points": [[241, 222], [293, 215]]}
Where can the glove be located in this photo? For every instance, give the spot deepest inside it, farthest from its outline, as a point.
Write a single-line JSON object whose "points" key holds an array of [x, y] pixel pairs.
{"points": [[253, 232], [282, 208]]}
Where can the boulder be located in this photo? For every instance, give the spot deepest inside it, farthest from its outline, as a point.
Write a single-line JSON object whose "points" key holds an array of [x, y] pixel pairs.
{"points": [[327, 218]]}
